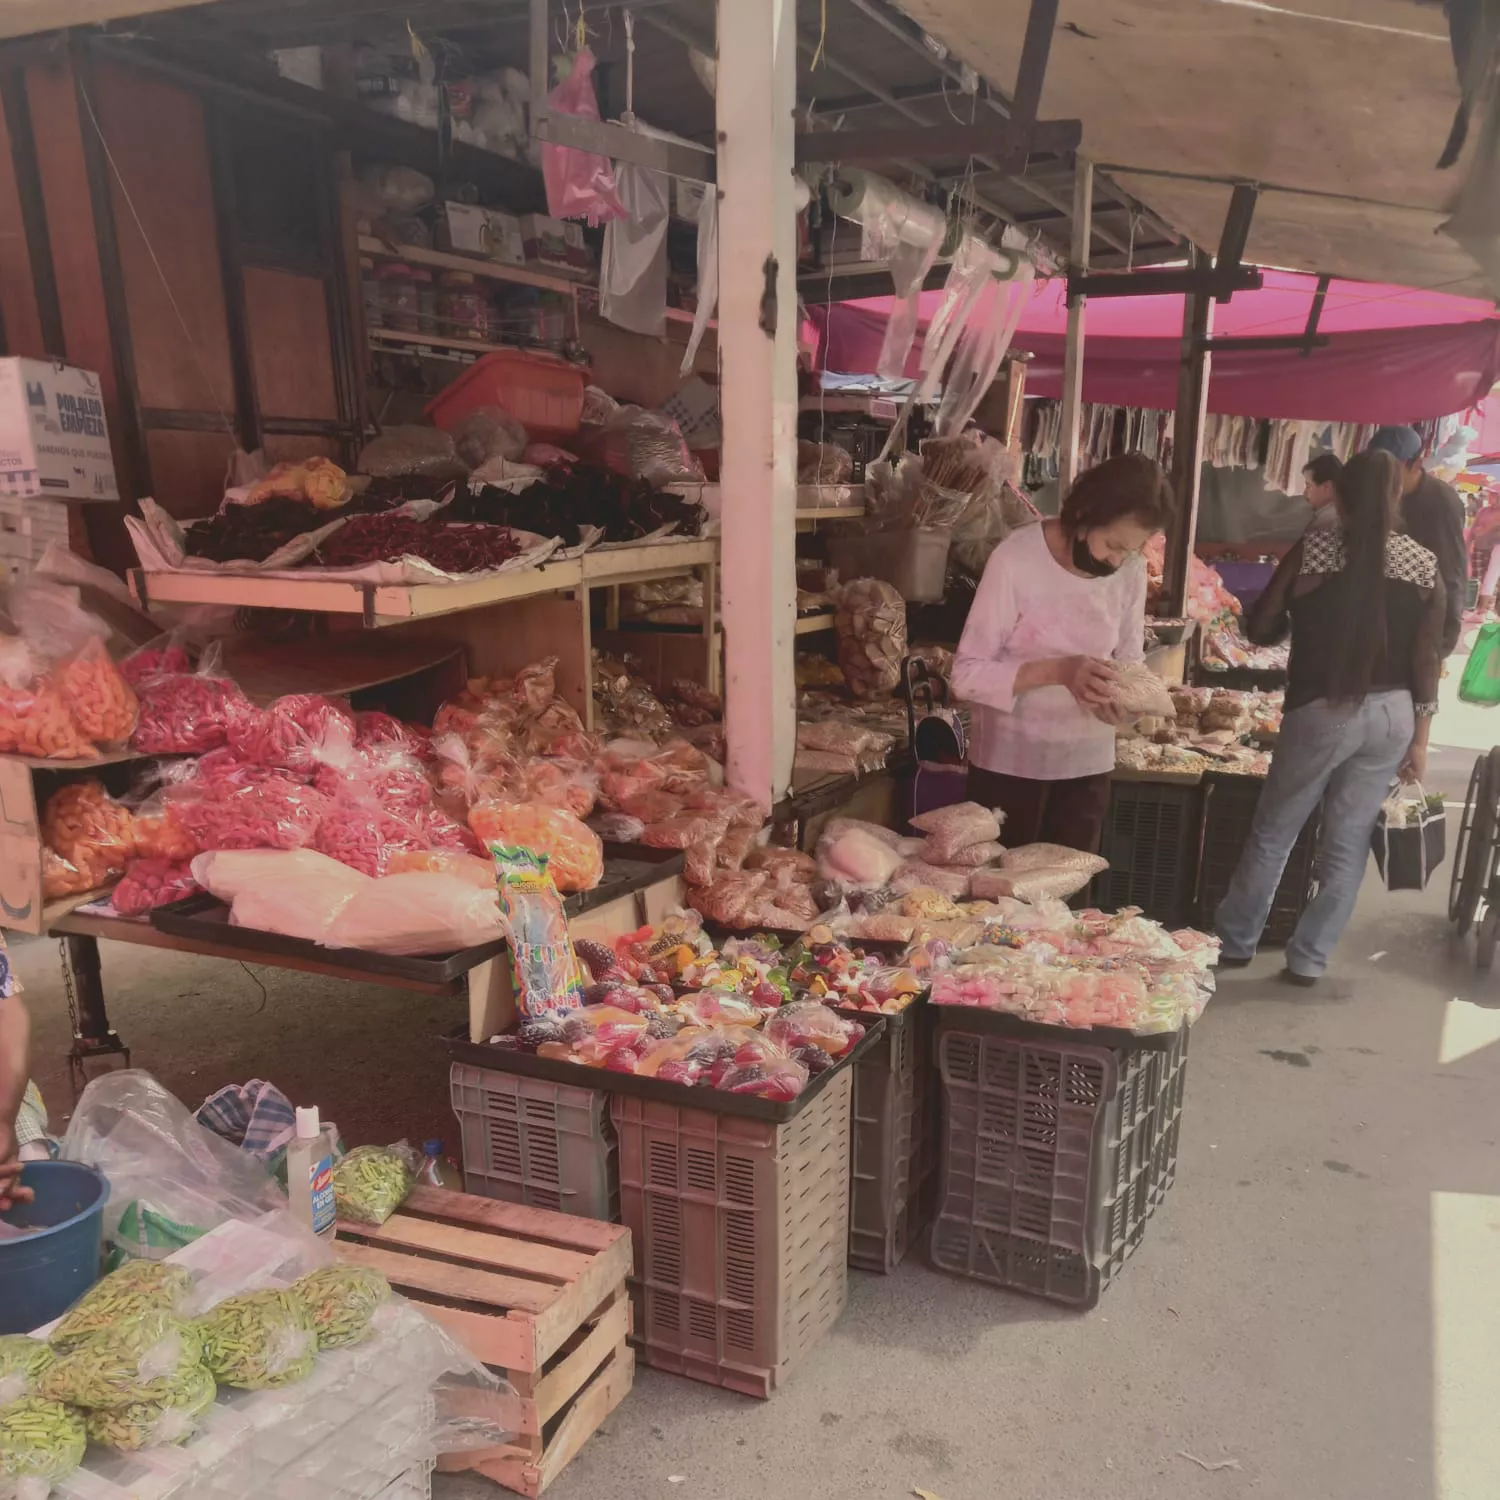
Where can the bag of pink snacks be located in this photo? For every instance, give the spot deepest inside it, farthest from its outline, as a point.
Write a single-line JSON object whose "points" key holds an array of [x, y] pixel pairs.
{"points": [[149, 883], [297, 733], [186, 712]]}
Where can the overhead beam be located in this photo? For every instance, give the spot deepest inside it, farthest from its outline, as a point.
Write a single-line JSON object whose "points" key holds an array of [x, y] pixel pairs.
{"points": [[1072, 392], [818, 288], [1187, 442], [1164, 283], [937, 143], [1236, 232]]}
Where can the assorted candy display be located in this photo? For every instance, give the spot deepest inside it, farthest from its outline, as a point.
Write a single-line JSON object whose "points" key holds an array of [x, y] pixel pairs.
{"points": [[1211, 729]]}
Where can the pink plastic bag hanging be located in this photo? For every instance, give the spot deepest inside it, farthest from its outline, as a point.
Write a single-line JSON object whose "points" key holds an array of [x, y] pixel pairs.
{"points": [[580, 184]]}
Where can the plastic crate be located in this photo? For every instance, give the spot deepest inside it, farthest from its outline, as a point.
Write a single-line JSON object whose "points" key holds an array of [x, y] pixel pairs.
{"points": [[892, 1142], [526, 1140], [1150, 840], [741, 1234], [1054, 1157], [1229, 804], [542, 392]]}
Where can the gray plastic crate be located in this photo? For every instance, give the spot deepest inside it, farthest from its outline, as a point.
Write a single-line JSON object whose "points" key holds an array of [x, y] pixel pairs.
{"points": [[1054, 1157], [526, 1140], [892, 1145]]}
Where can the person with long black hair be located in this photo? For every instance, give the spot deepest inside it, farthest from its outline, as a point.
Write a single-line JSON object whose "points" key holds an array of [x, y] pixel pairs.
{"points": [[1365, 607]]}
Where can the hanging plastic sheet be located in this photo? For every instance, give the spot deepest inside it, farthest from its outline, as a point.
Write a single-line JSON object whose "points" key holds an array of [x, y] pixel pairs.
{"points": [[903, 232], [633, 273], [973, 266], [981, 347], [580, 184], [708, 274]]}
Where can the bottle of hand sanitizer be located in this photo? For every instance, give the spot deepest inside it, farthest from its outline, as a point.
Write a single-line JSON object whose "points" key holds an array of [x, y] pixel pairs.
{"points": [[309, 1174]]}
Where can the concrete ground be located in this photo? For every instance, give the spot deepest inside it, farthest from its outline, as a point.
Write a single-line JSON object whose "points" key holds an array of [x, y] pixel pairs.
{"points": [[1313, 1315]]}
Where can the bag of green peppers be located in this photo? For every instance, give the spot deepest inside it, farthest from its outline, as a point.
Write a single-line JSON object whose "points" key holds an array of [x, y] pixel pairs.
{"points": [[40, 1439], [372, 1182], [341, 1300], [22, 1361], [259, 1340], [154, 1424], [137, 1287], [140, 1359]]}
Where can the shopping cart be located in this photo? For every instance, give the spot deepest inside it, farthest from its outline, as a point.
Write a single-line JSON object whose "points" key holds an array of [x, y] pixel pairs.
{"points": [[1474, 887]]}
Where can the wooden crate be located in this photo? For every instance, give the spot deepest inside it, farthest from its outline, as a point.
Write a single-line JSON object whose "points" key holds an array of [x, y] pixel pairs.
{"points": [[538, 1296]]}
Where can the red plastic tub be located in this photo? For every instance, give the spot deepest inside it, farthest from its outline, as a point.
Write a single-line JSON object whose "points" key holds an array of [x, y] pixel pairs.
{"points": [[541, 391]]}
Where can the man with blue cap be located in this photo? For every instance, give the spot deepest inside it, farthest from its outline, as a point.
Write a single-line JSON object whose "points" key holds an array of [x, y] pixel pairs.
{"points": [[1432, 515]]}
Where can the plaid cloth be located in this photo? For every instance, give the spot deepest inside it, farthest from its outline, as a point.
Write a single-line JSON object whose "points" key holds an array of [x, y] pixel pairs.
{"points": [[31, 1123], [256, 1116]]}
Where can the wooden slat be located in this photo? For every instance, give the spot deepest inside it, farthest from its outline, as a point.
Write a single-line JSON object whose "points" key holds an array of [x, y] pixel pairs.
{"points": [[483, 1246], [443, 1280], [507, 1343], [577, 1302], [608, 1390], [559, 1384], [514, 1218]]}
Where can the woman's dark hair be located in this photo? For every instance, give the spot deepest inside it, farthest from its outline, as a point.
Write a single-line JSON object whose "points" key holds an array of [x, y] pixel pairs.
{"points": [[1324, 469], [1129, 484], [1368, 487]]}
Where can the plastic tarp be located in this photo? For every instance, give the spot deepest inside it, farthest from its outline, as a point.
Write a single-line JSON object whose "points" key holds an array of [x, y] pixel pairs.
{"points": [[1394, 354]]}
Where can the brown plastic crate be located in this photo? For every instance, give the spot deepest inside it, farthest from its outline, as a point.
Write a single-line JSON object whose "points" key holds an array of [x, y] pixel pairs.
{"points": [[741, 1233], [1150, 838], [892, 1142], [1054, 1157], [1229, 804]]}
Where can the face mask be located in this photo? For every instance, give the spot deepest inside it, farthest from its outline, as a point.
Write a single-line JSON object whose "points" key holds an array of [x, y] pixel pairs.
{"points": [[1086, 562]]}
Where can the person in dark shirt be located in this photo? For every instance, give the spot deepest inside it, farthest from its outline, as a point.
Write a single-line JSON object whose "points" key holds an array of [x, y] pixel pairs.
{"points": [[1433, 515], [1365, 608]]}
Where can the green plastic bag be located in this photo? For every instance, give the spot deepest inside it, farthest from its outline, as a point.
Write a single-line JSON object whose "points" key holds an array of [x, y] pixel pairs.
{"points": [[1481, 679]]}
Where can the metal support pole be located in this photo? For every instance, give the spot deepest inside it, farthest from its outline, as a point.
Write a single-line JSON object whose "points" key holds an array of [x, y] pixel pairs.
{"points": [[1187, 442], [97, 1047], [1072, 397], [758, 390]]}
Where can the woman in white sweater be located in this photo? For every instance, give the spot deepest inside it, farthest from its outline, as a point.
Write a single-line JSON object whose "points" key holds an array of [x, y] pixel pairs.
{"points": [[1059, 603]]}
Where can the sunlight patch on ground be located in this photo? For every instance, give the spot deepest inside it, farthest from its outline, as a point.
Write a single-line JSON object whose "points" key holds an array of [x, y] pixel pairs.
{"points": [[1466, 1344], [1466, 1028]]}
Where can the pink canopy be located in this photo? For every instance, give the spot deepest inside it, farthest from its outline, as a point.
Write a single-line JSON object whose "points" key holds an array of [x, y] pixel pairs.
{"points": [[1396, 354]]}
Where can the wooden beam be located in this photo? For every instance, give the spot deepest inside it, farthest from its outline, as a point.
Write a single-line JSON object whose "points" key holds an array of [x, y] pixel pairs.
{"points": [[1165, 283], [1187, 443], [1007, 142], [1072, 399]]}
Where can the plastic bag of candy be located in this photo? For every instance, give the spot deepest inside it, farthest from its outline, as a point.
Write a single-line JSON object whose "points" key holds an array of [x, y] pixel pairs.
{"points": [[718, 1008], [159, 833], [358, 831], [544, 966], [165, 654], [811, 1024], [34, 720], [149, 883], [248, 812], [297, 733], [102, 703], [187, 712], [917, 874], [561, 784], [574, 852], [89, 830], [469, 868], [956, 827]]}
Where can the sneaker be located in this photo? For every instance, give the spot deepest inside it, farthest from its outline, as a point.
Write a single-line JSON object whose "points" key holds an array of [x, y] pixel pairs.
{"points": [[1301, 981]]}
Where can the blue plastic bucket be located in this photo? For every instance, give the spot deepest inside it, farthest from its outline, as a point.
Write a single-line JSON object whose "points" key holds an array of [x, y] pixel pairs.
{"points": [[43, 1274]]}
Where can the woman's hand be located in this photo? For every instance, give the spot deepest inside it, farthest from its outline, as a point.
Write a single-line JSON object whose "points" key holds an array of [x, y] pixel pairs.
{"points": [[1090, 680], [1414, 767], [1112, 714]]}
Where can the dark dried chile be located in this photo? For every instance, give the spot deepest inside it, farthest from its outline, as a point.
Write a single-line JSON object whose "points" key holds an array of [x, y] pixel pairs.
{"points": [[455, 548]]}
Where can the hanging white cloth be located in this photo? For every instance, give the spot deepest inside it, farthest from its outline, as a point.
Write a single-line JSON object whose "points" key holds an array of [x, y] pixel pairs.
{"points": [[708, 274], [633, 273]]}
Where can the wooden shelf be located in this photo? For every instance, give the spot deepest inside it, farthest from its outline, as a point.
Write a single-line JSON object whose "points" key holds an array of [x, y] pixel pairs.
{"points": [[266, 667], [104, 758], [493, 270], [393, 604], [816, 624], [475, 347]]}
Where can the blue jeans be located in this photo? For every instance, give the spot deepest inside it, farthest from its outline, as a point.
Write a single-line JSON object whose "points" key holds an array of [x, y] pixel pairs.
{"points": [[1351, 753]]}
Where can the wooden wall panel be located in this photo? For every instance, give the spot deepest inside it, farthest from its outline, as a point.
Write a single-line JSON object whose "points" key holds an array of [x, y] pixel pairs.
{"points": [[158, 139], [187, 470], [291, 353], [291, 447], [632, 367], [23, 323]]}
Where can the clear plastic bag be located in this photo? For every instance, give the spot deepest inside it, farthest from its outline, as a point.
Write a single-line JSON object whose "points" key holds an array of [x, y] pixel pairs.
{"points": [[545, 968], [1051, 856], [22, 1363], [411, 451], [297, 892], [92, 835], [955, 827], [40, 1441], [155, 1424], [270, 812], [1140, 692], [487, 433], [170, 1176], [372, 1182], [297, 734], [972, 856], [140, 1358], [918, 875], [188, 712], [260, 1340], [416, 912], [871, 627], [149, 883], [138, 1286], [341, 1300], [580, 184], [1057, 881], [574, 853], [102, 703], [851, 856]]}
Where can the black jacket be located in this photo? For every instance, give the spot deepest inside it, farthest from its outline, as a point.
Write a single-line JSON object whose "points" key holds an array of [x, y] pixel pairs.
{"points": [[1434, 516]]}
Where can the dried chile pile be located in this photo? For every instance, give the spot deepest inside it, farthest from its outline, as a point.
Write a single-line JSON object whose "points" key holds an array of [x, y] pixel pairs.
{"points": [[453, 547], [567, 500], [251, 533]]}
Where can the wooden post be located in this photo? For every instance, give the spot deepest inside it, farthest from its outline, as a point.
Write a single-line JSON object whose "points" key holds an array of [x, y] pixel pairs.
{"points": [[1187, 442], [758, 392], [1072, 397]]}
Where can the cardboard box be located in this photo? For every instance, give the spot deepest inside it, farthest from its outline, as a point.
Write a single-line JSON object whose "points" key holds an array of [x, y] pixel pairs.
{"points": [[556, 244], [483, 232], [506, 243], [53, 437]]}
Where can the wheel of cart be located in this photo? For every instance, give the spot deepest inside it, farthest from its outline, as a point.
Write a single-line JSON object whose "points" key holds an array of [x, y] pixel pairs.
{"points": [[1474, 888]]}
